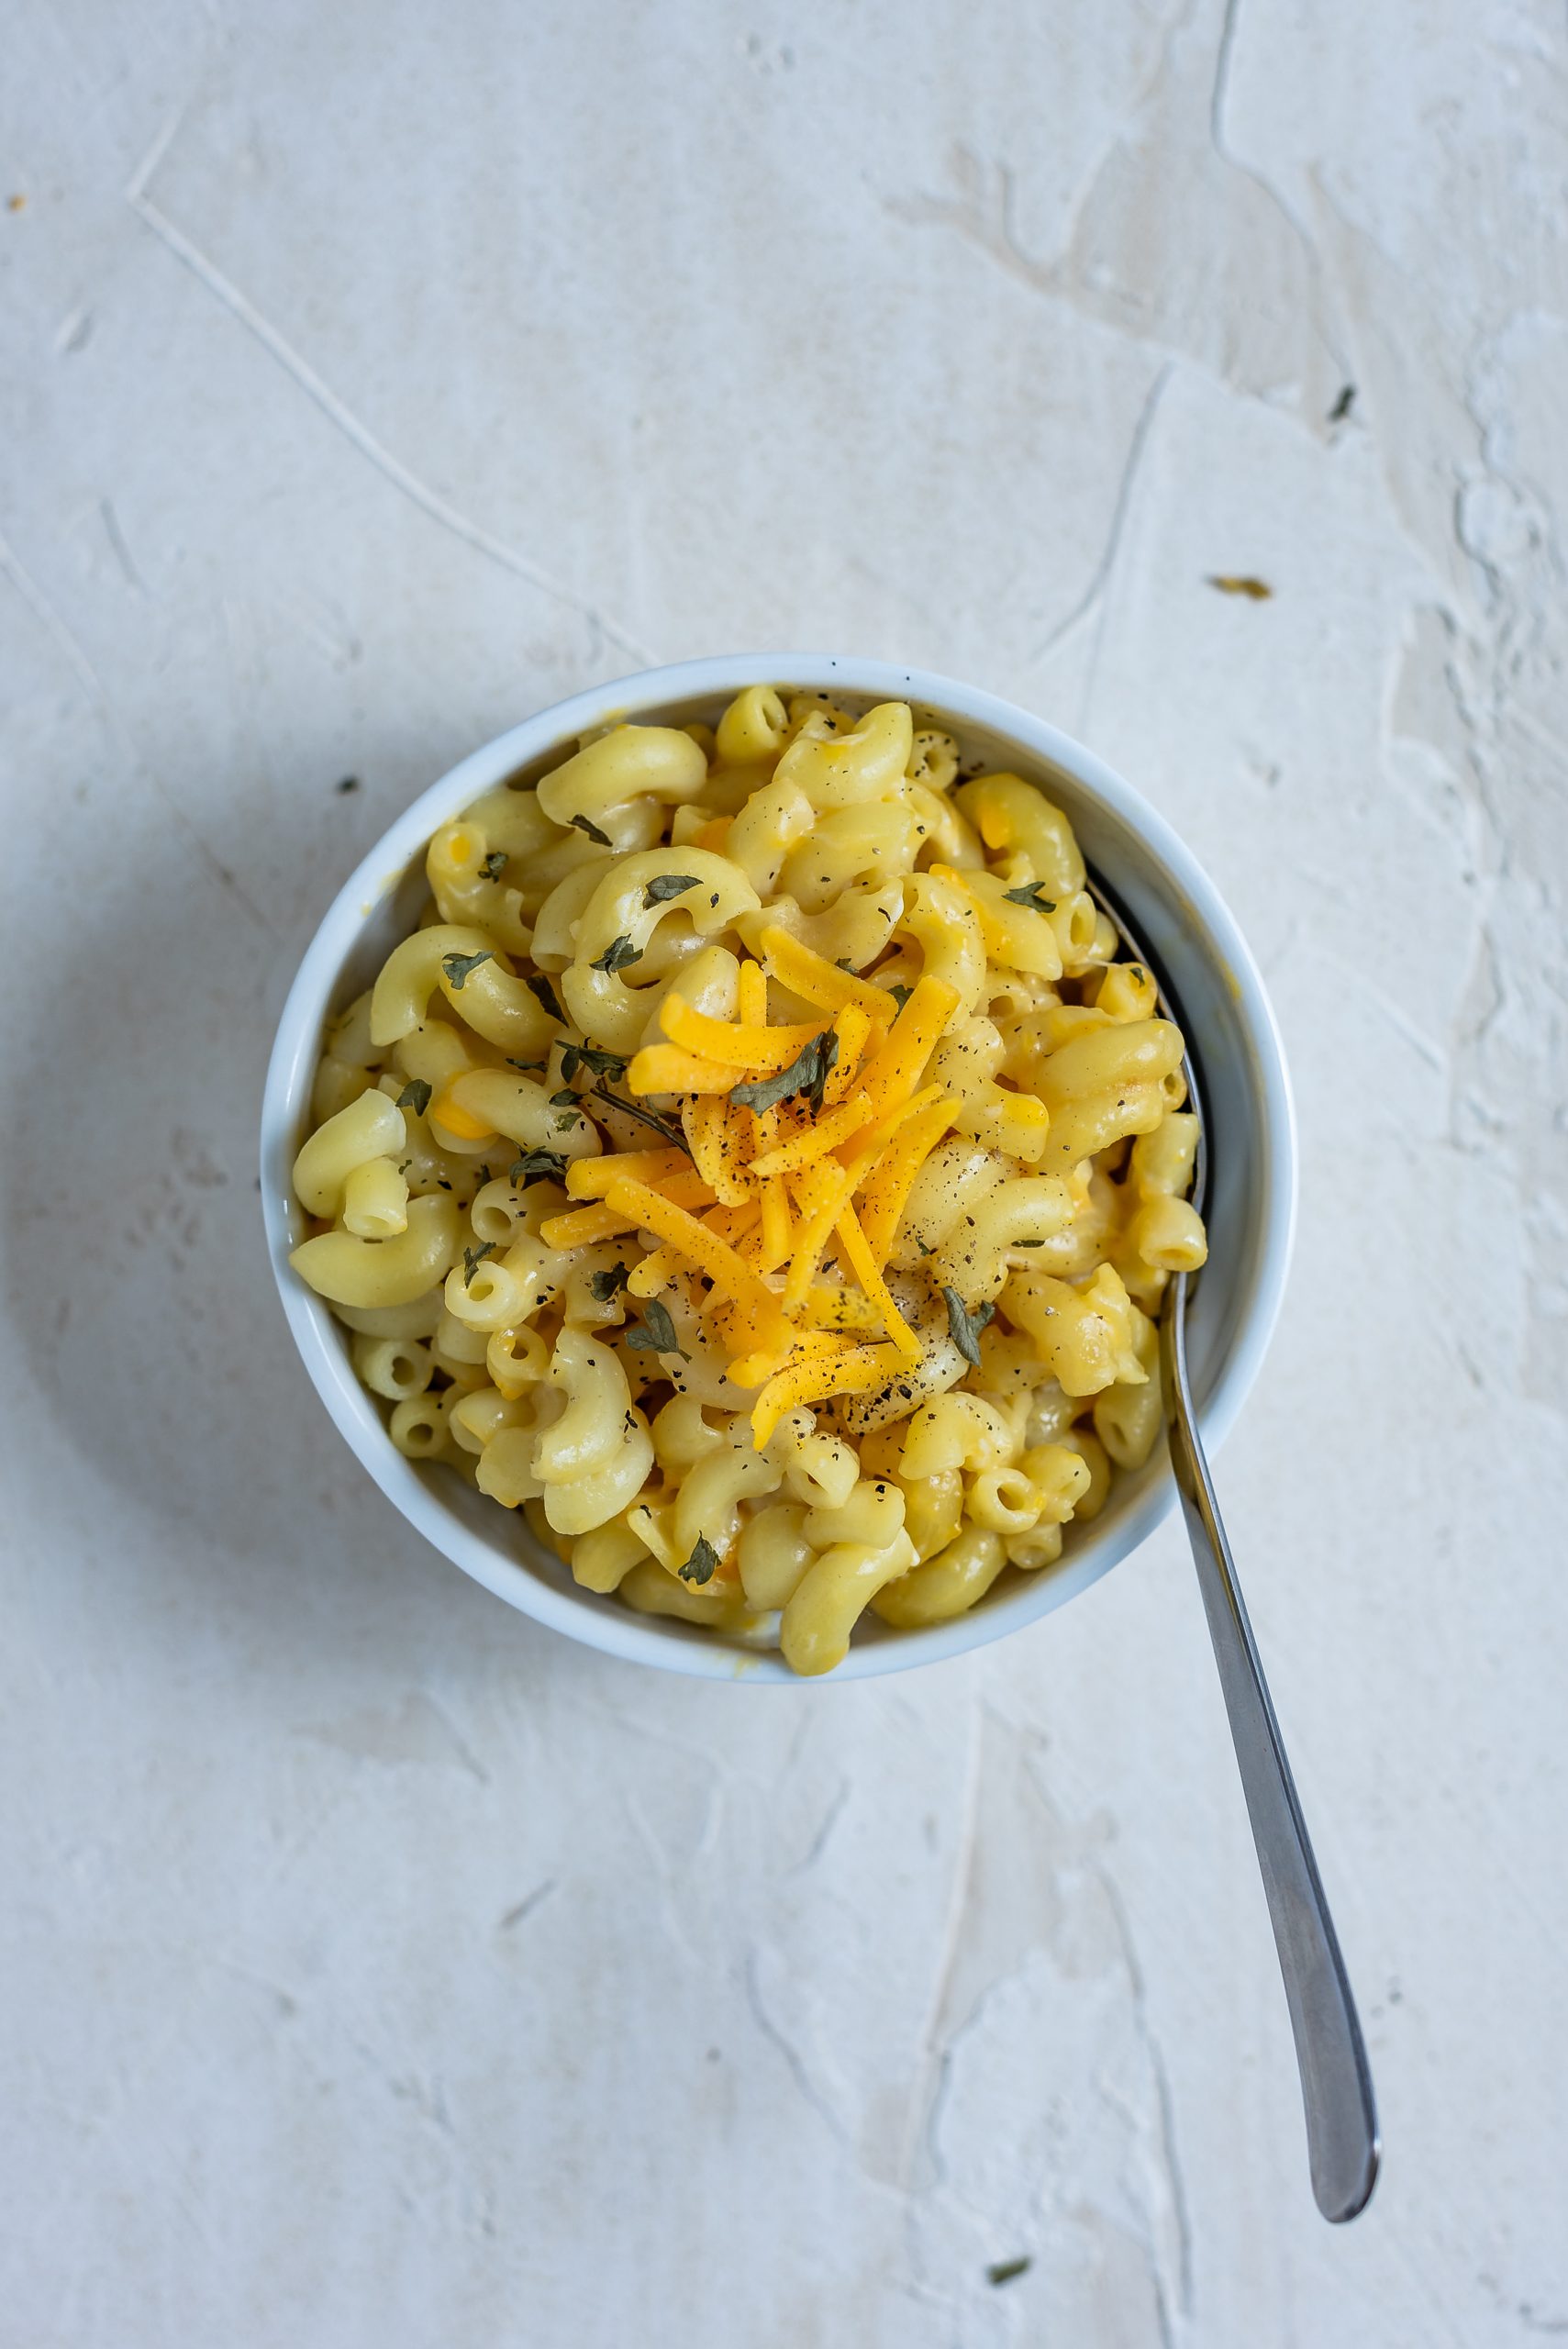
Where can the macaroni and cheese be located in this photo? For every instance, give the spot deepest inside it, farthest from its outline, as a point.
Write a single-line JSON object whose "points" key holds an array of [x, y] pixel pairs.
{"points": [[759, 1170]]}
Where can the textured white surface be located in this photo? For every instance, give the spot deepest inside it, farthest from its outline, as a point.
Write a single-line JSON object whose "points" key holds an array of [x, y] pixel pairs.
{"points": [[377, 1970]]}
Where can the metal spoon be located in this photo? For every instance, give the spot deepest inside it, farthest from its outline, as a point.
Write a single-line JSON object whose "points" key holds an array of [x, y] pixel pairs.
{"points": [[1343, 2141]]}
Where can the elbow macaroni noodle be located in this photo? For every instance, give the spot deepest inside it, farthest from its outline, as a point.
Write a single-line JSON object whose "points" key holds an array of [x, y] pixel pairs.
{"points": [[759, 1172]]}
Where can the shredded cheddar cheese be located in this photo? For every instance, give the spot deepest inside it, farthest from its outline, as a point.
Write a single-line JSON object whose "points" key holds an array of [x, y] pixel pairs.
{"points": [[743, 1047], [863, 1264], [810, 975], [590, 1178], [854, 1372], [894, 1172], [816, 1141]]}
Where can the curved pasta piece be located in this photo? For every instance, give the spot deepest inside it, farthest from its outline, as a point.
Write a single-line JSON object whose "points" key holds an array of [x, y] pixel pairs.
{"points": [[831, 1595], [589, 1433], [948, 1585], [958, 1432], [875, 842], [773, 1554], [836, 770], [458, 866], [368, 1128], [1085, 1337], [707, 1506], [464, 964], [964, 1064], [1018, 1213], [605, 1556], [764, 831], [755, 726], [494, 1101], [854, 931], [624, 907], [347, 1270], [940, 918], [657, 762], [578, 1504], [1016, 815]]}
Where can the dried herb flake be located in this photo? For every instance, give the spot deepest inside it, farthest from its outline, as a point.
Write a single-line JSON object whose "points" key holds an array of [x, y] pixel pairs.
{"points": [[655, 1333], [665, 885], [618, 955], [807, 1073], [576, 1056], [460, 968], [539, 984], [472, 1258], [1030, 896], [415, 1095], [702, 1563], [583, 824], [537, 1166], [966, 1327]]}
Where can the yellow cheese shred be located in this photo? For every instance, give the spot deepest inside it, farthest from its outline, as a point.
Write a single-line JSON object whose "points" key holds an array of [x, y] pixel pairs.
{"points": [[888, 1186], [813, 1376], [815, 1141], [810, 975], [833, 1305], [751, 995], [742, 1046], [666, 1068], [858, 1255], [584, 1227], [653, 1212], [590, 1178], [853, 1027], [718, 1160], [820, 1201], [891, 1076]]}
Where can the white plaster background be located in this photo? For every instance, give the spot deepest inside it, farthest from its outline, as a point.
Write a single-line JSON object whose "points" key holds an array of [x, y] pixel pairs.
{"points": [[378, 1970]]}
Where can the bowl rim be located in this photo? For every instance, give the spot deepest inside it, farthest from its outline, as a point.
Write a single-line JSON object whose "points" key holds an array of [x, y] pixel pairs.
{"points": [[586, 1616]]}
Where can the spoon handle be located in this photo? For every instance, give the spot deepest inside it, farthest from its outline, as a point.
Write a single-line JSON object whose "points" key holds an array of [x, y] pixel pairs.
{"points": [[1336, 2083]]}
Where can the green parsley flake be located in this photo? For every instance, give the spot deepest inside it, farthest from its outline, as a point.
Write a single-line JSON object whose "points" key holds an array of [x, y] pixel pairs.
{"points": [[537, 984], [472, 1258], [460, 968], [618, 955], [807, 1073], [537, 1166], [576, 1056], [655, 1333], [415, 1095], [966, 1327], [700, 1567]]}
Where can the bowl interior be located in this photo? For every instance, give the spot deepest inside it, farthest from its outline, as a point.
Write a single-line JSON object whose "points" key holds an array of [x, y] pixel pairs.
{"points": [[1229, 1031]]}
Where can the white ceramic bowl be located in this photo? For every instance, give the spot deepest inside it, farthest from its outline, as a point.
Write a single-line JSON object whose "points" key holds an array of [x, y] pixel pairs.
{"points": [[1250, 1206]]}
